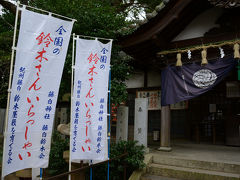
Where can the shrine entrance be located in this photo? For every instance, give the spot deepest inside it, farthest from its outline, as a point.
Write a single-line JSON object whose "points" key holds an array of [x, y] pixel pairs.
{"points": [[177, 28], [214, 117]]}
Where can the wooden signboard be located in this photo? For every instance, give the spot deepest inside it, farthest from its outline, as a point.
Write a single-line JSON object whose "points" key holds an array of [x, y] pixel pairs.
{"points": [[154, 98]]}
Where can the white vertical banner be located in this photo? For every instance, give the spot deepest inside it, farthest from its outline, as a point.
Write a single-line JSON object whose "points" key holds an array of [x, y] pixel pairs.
{"points": [[88, 140], [40, 56]]}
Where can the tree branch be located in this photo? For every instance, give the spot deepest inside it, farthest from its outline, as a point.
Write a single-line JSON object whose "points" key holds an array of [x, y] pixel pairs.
{"points": [[9, 6]]}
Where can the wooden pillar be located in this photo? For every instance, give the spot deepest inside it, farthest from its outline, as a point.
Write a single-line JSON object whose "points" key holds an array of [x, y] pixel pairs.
{"points": [[145, 78], [165, 129]]}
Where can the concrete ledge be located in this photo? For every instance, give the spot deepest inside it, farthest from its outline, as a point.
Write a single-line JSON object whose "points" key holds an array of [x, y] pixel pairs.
{"points": [[136, 175], [196, 164], [167, 149], [189, 173]]}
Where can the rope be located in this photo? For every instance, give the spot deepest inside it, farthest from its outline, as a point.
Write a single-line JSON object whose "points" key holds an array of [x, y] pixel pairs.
{"points": [[200, 47]]}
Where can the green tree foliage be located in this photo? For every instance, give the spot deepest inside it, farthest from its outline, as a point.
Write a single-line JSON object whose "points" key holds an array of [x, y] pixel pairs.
{"points": [[99, 19], [57, 164], [6, 36], [105, 18], [135, 7]]}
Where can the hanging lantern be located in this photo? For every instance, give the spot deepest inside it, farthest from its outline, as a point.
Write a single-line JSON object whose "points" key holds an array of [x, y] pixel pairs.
{"points": [[179, 61], [204, 57]]}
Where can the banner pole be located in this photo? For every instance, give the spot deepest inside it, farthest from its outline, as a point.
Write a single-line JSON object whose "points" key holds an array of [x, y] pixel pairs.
{"points": [[109, 122], [90, 163], [41, 173], [93, 37], [72, 79], [48, 12], [10, 84]]}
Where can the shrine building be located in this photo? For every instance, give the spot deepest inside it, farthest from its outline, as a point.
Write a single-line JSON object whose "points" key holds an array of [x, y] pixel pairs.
{"points": [[184, 26]]}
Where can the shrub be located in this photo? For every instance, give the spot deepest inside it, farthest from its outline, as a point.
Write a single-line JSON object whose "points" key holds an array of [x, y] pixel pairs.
{"points": [[133, 161], [57, 164]]}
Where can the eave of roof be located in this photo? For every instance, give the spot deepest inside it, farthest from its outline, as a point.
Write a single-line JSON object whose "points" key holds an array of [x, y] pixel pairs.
{"points": [[159, 31]]}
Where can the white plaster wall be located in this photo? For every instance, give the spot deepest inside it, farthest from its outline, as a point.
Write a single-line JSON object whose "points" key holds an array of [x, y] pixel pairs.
{"points": [[201, 24], [136, 80], [154, 79]]}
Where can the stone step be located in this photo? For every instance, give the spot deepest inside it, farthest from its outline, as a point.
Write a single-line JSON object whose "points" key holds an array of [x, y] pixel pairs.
{"points": [[189, 173], [197, 164], [153, 177]]}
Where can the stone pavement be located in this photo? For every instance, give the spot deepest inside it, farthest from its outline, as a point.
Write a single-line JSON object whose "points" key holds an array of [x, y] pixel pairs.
{"points": [[194, 162], [209, 152]]}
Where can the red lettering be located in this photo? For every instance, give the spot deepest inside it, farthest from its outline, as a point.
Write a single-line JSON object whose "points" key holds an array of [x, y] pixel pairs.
{"points": [[31, 114], [32, 121], [20, 157], [90, 58], [28, 144], [88, 94], [88, 115], [91, 70], [29, 154], [34, 86], [42, 37], [41, 55], [26, 132], [38, 67], [96, 58]]}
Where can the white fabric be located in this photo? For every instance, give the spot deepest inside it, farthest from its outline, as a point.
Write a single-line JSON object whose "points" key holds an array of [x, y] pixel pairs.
{"points": [[221, 52], [31, 111], [88, 139]]}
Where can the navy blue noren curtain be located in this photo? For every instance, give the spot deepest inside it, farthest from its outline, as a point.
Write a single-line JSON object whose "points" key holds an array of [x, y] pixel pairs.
{"points": [[191, 80]]}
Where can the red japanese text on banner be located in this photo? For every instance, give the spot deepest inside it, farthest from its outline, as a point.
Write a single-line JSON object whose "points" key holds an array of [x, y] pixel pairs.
{"points": [[40, 56], [89, 113]]}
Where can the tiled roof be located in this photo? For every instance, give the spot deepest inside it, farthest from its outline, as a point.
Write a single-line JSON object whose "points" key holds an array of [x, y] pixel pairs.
{"points": [[151, 15], [225, 3]]}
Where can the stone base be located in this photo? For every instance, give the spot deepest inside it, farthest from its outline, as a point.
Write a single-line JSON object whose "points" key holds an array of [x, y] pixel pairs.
{"points": [[24, 173], [146, 150], [79, 174], [11, 176], [166, 149]]}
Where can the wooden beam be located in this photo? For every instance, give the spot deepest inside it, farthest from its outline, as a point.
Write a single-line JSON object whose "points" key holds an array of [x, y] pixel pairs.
{"points": [[145, 77], [203, 40]]}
